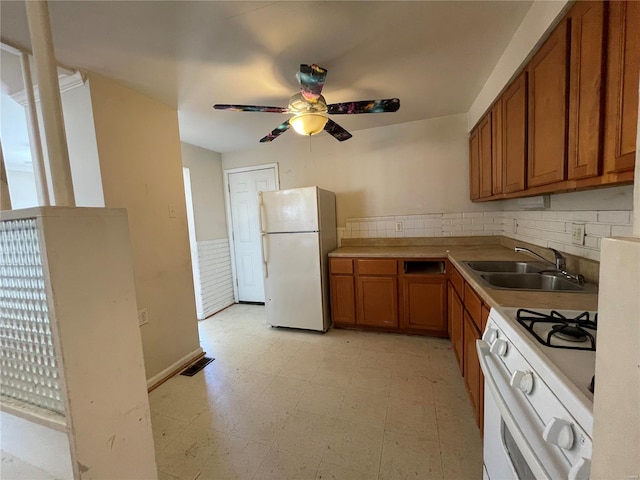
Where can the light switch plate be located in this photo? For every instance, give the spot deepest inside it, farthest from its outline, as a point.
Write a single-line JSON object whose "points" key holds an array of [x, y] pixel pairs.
{"points": [[577, 234]]}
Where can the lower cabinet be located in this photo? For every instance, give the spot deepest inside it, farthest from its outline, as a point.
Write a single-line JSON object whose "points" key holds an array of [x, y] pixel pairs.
{"points": [[467, 319], [343, 294], [390, 294], [456, 319], [377, 301], [424, 304], [472, 371]]}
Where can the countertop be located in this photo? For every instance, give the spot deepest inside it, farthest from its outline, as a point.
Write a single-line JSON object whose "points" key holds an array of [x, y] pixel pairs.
{"points": [[491, 296]]}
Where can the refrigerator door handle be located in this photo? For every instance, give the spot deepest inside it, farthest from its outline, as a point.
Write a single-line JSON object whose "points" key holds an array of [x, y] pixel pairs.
{"points": [[261, 222], [264, 258]]}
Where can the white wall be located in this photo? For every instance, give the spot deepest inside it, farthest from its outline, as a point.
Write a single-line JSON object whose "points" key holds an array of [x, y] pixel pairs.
{"points": [[207, 190], [413, 168], [141, 168], [214, 260], [22, 188], [81, 142]]}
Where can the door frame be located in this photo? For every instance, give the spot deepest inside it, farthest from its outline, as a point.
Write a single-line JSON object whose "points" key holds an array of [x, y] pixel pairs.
{"points": [[227, 206]]}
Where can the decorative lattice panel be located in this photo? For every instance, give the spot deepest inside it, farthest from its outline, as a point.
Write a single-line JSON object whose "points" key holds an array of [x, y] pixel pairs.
{"points": [[28, 367]]}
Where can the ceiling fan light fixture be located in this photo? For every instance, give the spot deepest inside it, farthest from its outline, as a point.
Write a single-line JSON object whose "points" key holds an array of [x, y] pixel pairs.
{"points": [[308, 123]]}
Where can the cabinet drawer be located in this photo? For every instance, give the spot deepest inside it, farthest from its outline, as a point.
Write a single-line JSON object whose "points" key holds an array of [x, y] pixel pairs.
{"points": [[343, 266], [458, 282], [377, 266], [473, 305]]}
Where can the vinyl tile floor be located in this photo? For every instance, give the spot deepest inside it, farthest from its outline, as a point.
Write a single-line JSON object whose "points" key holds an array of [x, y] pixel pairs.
{"points": [[285, 404]]}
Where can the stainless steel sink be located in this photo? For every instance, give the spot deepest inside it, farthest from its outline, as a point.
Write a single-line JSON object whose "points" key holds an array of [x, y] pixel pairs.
{"points": [[534, 281], [515, 275], [507, 266]]}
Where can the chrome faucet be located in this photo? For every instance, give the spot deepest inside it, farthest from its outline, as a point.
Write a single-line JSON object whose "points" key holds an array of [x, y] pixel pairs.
{"points": [[559, 266], [560, 263]]}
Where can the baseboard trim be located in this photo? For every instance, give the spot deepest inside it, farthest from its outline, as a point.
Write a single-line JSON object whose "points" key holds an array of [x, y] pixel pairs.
{"points": [[174, 368]]}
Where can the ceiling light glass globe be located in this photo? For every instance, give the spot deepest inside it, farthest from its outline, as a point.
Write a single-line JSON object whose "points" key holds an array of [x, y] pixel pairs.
{"points": [[309, 123]]}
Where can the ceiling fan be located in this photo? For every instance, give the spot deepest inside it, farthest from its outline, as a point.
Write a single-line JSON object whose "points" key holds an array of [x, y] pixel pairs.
{"points": [[310, 109]]}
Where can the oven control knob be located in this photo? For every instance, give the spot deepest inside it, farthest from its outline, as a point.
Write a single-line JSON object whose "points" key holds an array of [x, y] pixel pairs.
{"points": [[559, 432], [489, 335], [581, 470], [523, 381], [499, 347]]}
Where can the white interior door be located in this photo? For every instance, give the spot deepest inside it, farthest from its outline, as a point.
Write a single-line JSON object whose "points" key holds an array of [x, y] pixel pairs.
{"points": [[245, 222]]}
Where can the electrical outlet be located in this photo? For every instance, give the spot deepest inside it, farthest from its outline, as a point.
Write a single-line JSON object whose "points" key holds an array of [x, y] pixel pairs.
{"points": [[577, 234], [398, 226], [514, 226], [172, 211], [143, 316]]}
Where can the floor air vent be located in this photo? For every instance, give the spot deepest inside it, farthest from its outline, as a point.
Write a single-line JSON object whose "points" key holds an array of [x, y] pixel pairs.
{"points": [[196, 367]]}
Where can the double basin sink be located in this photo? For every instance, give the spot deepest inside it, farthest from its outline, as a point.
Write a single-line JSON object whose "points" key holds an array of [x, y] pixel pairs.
{"points": [[514, 275]]}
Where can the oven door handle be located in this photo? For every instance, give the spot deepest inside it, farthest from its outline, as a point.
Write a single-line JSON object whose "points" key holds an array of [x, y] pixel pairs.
{"points": [[486, 361]]}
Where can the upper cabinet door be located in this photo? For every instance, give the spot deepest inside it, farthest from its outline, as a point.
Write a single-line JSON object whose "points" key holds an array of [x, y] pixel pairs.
{"points": [[514, 135], [474, 165], [485, 135], [623, 65], [496, 150], [548, 110], [586, 89]]}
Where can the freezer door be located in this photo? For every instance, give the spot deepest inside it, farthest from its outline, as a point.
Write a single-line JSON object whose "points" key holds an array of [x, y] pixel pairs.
{"points": [[293, 286], [293, 210]]}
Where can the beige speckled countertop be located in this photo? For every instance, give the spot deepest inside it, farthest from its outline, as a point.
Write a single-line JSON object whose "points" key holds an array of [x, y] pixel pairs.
{"points": [[491, 296]]}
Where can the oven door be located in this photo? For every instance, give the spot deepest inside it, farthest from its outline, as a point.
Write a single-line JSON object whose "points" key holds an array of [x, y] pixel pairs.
{"points": [[513, 444]]}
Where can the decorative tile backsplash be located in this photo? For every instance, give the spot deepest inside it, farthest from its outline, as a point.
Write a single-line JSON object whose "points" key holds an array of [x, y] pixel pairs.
{"points": [[552, 229]]}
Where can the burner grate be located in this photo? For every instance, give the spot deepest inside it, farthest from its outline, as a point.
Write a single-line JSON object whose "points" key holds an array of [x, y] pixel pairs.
{"points": [[579, 325]]}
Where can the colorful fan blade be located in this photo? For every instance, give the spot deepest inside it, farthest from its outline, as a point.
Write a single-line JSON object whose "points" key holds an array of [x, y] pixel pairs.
{"points": [[335, 130], [365, 106], [276, 132], [250, 108], [311, 79]]}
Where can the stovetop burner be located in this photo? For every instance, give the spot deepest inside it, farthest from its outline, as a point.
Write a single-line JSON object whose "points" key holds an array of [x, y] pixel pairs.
{"points": [[573, 330]]}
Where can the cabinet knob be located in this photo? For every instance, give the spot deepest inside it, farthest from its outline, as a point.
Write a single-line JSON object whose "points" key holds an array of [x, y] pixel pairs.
{"points": [[499, 347], [581, 470], [523, 381], [489, 335], [559, 432]]}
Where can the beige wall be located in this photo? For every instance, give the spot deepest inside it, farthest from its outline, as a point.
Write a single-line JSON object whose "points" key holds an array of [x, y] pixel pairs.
{"points": [[139, 148], [413, 168], [207, 191]]}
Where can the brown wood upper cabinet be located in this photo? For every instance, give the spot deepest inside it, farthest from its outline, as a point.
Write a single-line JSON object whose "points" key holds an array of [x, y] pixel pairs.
{"points": [[548, 109], [485, 136], [623, 65], [496, 148], [514, 135], [474, 165], [586, 89]]}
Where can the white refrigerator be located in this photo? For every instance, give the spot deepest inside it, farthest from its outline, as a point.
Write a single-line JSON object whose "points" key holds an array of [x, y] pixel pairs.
{"points": [[298, 230]]}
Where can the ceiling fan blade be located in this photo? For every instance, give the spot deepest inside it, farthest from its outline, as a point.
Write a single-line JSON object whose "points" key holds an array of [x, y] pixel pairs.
{"points": [[336, 131], [276, 132], [365, 106], [250, 108], [311, 79]]}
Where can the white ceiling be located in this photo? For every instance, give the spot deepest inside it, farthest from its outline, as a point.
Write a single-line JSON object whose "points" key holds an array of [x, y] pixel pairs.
{"points": [[434, 56]]}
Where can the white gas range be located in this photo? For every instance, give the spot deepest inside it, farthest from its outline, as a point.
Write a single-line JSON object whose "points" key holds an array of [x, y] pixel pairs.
{"points": [[539, 366]]}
